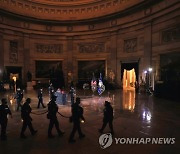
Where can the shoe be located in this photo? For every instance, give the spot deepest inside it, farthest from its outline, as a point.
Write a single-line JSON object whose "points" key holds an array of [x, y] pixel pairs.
{"points": [[34, 133], [72, 141], [23, 136], [81, 136], [100, 131]]}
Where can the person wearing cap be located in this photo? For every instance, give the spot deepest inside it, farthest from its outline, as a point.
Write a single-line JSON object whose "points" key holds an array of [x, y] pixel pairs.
{"points": [[77, 115], [108, 117], [40, 98], [25, 115], [52, 111], [4, 111], [18, 97]]}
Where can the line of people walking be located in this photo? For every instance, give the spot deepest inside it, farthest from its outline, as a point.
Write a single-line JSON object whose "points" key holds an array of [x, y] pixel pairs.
{"points": [[76, 118]]}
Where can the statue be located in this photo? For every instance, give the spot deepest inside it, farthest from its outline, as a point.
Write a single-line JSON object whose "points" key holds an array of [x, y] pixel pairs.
{"points": [[29, 76], [111, 76]]}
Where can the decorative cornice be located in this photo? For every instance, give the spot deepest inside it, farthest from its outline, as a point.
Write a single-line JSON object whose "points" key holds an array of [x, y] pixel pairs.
{"points": [[80, 11]]}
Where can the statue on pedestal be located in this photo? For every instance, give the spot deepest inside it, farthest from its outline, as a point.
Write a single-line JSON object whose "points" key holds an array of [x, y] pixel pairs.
{"points": [[111, 76]]}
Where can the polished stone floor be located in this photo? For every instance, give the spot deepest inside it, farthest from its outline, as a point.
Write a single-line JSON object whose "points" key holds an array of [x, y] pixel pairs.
{"points": [[135, 116]]}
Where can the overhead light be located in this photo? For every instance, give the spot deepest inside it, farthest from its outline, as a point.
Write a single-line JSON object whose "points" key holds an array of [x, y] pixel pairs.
{"points": [[145, 72]]}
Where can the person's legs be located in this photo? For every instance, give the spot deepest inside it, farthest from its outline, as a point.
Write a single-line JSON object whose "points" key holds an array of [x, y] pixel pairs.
{"points": [[51, 124], [24, 126], [39, 103], [111, 126], [103, 126], [42, 103], [81, 135], [18, 104], [3, 129], [57, 127], [29, 124], [71, 138]]}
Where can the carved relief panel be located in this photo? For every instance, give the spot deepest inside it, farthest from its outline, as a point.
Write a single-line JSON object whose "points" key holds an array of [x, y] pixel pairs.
{"points": [[13, 52], [49, 48], [171, 35], [130, 45], [92, 47]]}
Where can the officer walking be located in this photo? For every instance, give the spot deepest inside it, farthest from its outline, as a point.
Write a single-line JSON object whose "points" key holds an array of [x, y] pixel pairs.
{"points": [[40, 97], [77, 115], [4, 111], [52, 110], [72, 93], [51, 90], [25, 115], [18, 97], [108, 117]]}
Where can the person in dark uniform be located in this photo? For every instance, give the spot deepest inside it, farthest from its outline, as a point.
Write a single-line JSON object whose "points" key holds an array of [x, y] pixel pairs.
{"points": [[72, 93], [77, 116], [52, 111], [18, 97], [4, 111], [40, 97], [108, 117], [25, 115], [51, 90]]}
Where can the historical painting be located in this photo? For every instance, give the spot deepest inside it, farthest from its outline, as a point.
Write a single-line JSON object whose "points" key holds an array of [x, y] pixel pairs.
{"points": [[47, 69], [87, 68]]}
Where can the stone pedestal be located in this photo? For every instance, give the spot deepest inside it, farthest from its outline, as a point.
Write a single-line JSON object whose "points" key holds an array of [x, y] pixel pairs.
{"points": [[29, 86]]}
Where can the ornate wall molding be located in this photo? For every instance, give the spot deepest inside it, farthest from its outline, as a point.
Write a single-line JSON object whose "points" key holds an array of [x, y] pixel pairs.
{"points": [[92, 47], [171, 35], [49, 48], [13, 52], [130, 45], [51, 11]]}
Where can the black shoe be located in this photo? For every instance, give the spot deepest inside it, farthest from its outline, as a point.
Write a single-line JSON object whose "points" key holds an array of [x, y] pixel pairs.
{"points": [[23, 136], [34, 133], [100, 131], [81, 136], [72, 141]]}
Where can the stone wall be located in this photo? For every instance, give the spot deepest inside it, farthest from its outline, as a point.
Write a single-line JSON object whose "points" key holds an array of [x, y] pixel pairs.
{"points": [[141, 36]]}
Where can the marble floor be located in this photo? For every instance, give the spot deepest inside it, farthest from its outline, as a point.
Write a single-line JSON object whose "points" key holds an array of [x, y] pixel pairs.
{"points": [[135, 116]]}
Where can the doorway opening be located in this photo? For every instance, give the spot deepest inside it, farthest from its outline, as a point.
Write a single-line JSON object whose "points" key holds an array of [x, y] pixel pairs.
{"points": [[129, 75]]}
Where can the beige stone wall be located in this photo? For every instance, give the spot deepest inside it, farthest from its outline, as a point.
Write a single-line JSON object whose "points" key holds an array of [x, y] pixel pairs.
{"points": [[133, 37]]}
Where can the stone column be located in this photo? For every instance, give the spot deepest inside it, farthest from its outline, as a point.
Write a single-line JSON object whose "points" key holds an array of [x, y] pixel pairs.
{"points": [[147, 63], [147, 46], [70, 68], [27, 60], [1, 57], [113, 55]]}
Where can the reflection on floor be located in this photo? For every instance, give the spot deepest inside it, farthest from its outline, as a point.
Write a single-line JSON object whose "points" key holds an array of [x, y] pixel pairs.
{"points": [[135, 115], [129, 100]]}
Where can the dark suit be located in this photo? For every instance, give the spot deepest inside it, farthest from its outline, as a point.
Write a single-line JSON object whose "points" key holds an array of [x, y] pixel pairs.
{"points": [[52, 111], [40, 97], [25, 115], [4, 111], [77, 115], [108, 118], [19, 97]]}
